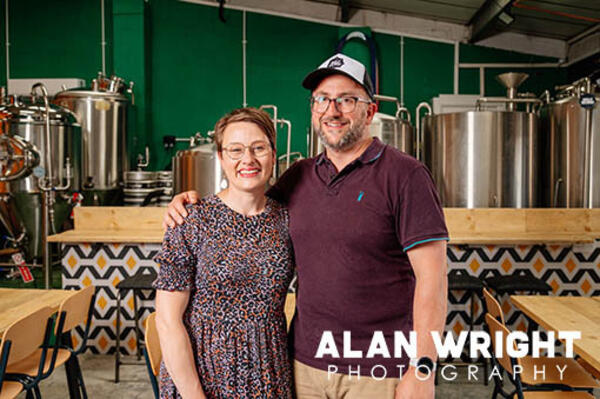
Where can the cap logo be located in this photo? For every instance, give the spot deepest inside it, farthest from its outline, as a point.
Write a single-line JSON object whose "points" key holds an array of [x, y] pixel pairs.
{"points": [[337, 62]]}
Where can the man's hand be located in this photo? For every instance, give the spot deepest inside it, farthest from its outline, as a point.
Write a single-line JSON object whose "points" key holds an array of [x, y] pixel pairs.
{"points": [[411, 387], [176, 209]]}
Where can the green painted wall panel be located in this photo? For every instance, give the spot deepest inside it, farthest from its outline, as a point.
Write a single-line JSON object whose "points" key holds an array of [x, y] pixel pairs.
{"points": [[280, 54], [187, 64], [129, 32], [428, 71], [196, 70], [388, 53], [53, 39]]}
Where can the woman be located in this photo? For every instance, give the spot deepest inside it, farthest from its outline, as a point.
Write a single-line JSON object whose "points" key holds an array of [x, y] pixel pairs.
{"points": [[223, 278]]}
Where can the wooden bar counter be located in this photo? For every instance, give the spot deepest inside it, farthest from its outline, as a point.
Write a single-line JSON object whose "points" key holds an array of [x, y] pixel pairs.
{"points": [[466, 226], [559, 246]]}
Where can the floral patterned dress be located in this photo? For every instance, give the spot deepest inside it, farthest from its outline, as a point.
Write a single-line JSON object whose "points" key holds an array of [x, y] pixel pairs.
{"points": [[238, 269]]}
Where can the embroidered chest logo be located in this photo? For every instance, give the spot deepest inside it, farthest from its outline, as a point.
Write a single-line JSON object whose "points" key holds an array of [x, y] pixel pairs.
{"points": [[360, 196]]}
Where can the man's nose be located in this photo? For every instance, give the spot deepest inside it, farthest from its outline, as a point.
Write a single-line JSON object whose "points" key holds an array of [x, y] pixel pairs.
{"points": [[332, 108]]}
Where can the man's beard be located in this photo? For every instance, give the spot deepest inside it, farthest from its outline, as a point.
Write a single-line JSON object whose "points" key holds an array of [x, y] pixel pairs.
{"points": [[351, 137]]}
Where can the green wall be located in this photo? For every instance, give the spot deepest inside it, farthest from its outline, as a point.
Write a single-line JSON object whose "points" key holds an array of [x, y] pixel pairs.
{"points": [[187, 64]]}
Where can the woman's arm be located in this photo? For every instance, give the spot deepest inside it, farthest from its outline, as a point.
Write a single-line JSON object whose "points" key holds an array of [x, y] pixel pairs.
{"points": [[175, 343]]}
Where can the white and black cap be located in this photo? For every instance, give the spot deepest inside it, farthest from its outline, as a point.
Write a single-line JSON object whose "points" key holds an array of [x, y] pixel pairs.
{"points": [[343, 65]]}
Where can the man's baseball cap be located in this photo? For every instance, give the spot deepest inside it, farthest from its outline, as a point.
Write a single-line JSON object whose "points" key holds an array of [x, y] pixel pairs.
{"points": [[340, 64]]}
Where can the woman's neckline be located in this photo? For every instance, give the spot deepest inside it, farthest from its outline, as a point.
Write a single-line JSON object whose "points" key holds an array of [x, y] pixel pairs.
{"points": [[265, 211]]}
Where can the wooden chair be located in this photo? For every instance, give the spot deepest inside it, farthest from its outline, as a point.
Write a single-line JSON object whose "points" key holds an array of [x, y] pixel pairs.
{"points": [[20, 342], [152, 352], [574, 377], [493, 306], [73, 311]]}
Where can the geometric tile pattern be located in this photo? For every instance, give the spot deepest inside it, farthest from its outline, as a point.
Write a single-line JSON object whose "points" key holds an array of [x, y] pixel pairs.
{"points": [[568, 269], [104, 265]]}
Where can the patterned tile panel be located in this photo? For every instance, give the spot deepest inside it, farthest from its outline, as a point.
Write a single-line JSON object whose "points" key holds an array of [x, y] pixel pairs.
{"points": [[570, 270]]}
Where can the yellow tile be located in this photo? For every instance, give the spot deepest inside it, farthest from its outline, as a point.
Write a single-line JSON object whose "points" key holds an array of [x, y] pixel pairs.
{"points": [[570, 265], [474, 265], [554, 286], [131, 343], [102, 342], [522, 326], [102, 302], [538, 265], [586, 286], [74, 341], [86, 281], [116, 281], [506, 265], [131, 262], [130, 302], [72, 261], [101, 262], [458, 327]]}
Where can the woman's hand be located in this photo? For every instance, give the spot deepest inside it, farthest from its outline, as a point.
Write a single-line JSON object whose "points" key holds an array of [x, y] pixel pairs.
{"points": [[175, 343], [176, 209]]}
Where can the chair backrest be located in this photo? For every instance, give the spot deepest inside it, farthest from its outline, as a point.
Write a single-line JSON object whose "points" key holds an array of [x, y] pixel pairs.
{"points": [[494, 326], [152, 344], [493, 307], [77, 307], [27, 334]]}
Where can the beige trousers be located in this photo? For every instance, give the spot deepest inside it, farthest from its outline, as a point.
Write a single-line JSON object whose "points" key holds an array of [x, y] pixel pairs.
{"points": [[312, 383]]}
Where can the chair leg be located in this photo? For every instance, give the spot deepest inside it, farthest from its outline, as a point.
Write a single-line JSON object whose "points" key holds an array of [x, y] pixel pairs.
{"points": [[137, 327], [118, 336], [71, 368], [36, 392], [80, 381]]}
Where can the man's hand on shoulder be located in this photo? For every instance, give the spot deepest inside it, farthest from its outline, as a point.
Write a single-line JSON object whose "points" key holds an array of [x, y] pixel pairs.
{"points": [[176, 211]]}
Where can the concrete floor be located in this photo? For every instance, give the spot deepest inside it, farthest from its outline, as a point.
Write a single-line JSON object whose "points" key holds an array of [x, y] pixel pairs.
{"points": [[98, 372]]}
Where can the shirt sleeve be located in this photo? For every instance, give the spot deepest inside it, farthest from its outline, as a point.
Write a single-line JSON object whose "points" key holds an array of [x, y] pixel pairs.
{"points": [[176, 263], [419, 217]]}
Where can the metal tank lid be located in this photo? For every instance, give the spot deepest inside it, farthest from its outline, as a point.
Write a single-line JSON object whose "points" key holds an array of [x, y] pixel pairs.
{"points": [[88, 93], [208, 149], [36, 113]]}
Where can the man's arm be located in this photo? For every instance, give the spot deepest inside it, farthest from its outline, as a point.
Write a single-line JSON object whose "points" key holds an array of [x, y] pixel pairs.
{"points": [[428, 261]]}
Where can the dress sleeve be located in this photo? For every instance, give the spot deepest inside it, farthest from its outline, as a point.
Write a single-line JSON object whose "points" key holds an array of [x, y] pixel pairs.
{"points": [[176, 262], [419, 218]]}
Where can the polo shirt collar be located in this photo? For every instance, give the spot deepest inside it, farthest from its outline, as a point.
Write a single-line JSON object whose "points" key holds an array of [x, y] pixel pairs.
{"points": [[373, 151]]}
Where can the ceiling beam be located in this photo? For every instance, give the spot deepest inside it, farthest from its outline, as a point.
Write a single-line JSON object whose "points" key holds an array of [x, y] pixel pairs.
{"points": [[484, 20]]}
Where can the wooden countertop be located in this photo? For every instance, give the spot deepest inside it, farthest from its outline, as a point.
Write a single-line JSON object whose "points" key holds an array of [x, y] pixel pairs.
{"points": [[18, 302], [485, 226], [567, 314]]}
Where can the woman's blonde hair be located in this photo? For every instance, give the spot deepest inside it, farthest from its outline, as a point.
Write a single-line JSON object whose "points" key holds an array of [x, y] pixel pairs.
{"points": [[249, 114]]}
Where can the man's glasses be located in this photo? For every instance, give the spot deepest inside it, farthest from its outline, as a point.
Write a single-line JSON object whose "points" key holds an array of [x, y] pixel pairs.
{"points": [[344, 104], [237, 151]]}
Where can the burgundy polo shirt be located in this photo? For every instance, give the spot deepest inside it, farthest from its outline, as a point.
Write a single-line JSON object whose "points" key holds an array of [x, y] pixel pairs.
{"points": [[350, 231]]}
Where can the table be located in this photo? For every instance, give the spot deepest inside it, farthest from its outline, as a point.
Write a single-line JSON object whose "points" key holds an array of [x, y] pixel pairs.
{"points": [[567, 313], [16, 303]]}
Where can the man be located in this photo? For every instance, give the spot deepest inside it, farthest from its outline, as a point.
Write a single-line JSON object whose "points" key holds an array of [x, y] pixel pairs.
{"points": [[370, 247]]}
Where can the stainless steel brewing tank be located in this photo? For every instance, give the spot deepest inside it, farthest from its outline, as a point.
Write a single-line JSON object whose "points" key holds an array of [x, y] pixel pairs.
{"points": [[563, 176], [396, 132], [198, 168], [27, 122], [103, 119], [482, 159]]}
